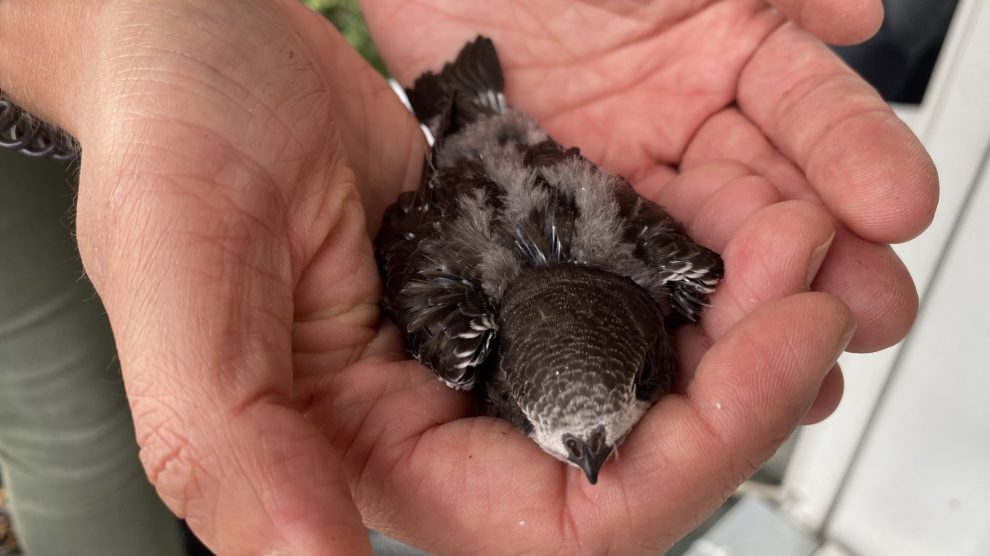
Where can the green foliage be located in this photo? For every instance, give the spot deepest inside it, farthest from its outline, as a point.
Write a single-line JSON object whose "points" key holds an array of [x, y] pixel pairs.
{"points": [[346, 17]]}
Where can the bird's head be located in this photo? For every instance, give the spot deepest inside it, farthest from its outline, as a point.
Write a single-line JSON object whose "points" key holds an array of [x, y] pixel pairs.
{"points": [[583, 352]]}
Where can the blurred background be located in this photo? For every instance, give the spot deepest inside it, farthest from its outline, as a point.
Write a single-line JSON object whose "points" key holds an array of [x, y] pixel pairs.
{"points": [[903, 467]]}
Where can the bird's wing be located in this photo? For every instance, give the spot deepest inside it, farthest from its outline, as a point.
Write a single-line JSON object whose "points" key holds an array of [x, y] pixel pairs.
{"points": [[689, 271], [428, 252], [451, 325]]}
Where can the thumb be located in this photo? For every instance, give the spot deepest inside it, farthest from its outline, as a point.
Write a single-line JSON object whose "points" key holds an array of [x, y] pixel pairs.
{"points": [[198, 284], [257, 481]]}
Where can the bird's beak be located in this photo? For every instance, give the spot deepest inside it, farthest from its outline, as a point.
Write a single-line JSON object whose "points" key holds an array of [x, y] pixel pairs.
{"points": [[591, 462]]}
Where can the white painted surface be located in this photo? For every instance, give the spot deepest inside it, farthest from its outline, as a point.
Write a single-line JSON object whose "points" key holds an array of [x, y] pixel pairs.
{"points": [[754, 527], [955, 126], [825, 451], [921, 485], [832, 549]]}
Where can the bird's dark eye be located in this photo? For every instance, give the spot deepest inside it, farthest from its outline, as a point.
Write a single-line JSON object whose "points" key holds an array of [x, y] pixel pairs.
{"points": [[573, 447]]}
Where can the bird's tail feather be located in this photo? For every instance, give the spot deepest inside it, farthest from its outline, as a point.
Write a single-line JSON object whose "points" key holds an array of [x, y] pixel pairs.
{"points": [[467, 89]]}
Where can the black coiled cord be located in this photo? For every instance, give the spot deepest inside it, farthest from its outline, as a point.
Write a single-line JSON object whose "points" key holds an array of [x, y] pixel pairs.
{"points": [[22, 132]]}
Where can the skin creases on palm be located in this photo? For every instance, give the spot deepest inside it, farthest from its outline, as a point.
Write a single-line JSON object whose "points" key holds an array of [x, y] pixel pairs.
{"points": [[628, 83]]}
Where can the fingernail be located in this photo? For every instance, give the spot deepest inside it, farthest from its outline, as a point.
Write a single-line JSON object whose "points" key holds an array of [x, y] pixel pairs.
{"points": [[816, 260]]}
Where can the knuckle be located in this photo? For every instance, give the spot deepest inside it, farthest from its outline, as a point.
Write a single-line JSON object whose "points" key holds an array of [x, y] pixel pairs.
{"points": [[169, 456]]}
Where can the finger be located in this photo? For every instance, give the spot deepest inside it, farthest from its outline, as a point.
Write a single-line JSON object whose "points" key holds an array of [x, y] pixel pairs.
{"points": [[684, 195], [827, 400], [720, 218], [864, 163], [776, 253], [867, 276], [871, 279], [729, 135], [712, 200], [834, 21], [693, 343], [750, 392], [755, 384]]}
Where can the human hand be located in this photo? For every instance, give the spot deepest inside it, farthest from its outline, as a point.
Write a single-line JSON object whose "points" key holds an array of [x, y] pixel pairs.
{"points": [[759, 139], [213, 241], [718, 110], [228, 152]]}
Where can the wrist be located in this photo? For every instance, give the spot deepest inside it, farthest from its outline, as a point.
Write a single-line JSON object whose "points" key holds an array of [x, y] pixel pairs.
{"points": [[46, 46]]}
